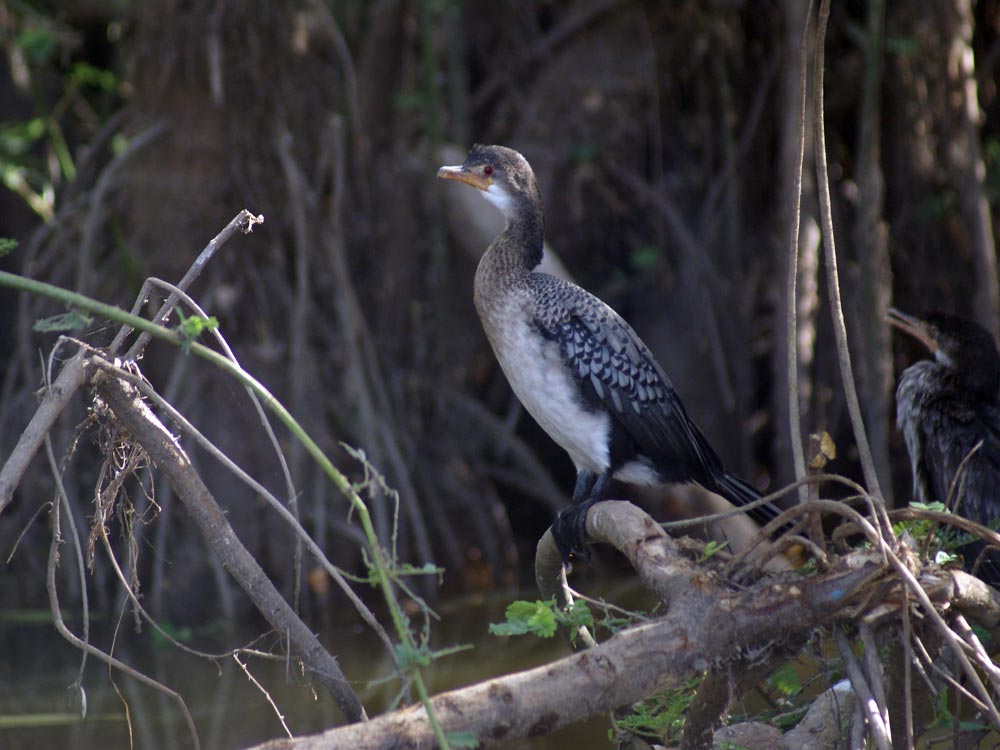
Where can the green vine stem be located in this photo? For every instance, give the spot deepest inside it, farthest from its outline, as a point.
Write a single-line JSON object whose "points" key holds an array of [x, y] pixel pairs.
{"points": [[379, 562]]}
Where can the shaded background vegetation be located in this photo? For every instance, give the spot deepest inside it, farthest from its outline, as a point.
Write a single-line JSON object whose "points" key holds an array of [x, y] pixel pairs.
{"points": [[663, 136]]}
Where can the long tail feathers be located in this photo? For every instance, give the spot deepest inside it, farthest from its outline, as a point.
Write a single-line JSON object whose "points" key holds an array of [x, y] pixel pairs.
{"points": [[738, 492]]}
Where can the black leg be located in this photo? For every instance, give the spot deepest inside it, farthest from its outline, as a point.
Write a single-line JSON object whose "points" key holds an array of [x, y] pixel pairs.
{"points": [[585, 481], [600, 488], [570, 528]]}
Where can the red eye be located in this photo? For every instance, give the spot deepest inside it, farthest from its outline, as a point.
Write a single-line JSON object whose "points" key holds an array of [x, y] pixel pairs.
{"points": [[487, 170]]}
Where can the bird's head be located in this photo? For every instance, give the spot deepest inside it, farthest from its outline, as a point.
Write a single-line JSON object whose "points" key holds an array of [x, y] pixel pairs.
{"points": [[921, 330], [503, 176], [958, 343]]}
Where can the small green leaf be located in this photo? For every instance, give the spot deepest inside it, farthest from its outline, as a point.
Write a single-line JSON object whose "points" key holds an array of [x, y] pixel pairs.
{"points": [[93, 76], [427, 569], [527, 617], [7, 246], [943, 557], [580, 615], [711, 549], [662, 715], [786, 681], [411, 658], [73, 320], [935, 506], [191, 327]]}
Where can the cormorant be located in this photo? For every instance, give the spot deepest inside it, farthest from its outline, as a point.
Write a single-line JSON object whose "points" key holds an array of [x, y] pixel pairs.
{"points": [[577, 366], [948, 411]]}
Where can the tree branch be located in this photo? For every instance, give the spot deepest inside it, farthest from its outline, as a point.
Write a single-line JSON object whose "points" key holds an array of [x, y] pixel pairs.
{"points": [[144, 427], [633, 664], [72, 375]]}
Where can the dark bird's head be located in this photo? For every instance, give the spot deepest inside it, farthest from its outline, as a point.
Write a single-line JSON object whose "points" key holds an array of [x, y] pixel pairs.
{"points": [[504, 177], [960, 344]]}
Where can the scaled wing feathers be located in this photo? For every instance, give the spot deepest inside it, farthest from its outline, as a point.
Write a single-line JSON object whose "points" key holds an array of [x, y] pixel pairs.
{"points": [[617, 372]]}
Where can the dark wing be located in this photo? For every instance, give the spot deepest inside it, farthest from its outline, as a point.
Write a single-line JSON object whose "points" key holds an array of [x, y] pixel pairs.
{"points": [[964, 461], [961, 451], [617, 372]]}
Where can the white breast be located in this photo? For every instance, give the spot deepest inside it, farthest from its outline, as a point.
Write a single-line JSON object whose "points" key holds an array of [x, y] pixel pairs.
{"points": [[535, 370]]}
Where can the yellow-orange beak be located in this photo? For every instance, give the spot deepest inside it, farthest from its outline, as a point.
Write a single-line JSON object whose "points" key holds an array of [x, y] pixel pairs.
{"points": [[460, 173], [913, 326]]}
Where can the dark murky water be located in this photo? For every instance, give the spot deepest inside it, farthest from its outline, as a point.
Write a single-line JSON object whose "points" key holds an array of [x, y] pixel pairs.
{"points": [[37, 668]]}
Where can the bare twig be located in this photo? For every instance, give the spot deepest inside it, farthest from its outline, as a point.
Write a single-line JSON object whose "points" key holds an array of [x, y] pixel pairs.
{"points": [[150, 433], [244, 222], [985, 533], [949, 636], [907, 698], [53, 403], [831, 506], [873, 711], [72, 375], [267, 695], [299, 329], [63, 498], [871, 336], [343, 52], [111, 661], [137, 606], [982, 659], [228, 351], [257, 487], [873, 674], [945, 675], [832, 275]]}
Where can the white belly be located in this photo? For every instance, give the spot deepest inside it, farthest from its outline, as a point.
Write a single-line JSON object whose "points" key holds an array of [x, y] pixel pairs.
{"points": [[535, 370]]}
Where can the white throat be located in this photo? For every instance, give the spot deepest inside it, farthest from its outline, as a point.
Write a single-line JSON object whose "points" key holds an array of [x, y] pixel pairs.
{"points": [[943, 358], [499, 198]]}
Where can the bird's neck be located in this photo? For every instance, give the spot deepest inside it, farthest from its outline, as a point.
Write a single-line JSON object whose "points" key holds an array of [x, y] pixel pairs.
{"points": [[518, 249], [981, 380], [965, 378], [527, 231], [504, 270]]}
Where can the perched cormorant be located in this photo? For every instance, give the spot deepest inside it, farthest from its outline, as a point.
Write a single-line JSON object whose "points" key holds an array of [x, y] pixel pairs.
{"points": [[577, 366], [948, 411]]}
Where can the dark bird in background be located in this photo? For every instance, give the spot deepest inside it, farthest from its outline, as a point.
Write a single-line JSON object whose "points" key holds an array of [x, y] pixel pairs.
{"points": [[577, 366], [948, 411]]}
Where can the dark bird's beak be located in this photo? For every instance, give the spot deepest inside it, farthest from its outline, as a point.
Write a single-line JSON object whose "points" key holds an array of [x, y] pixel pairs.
{"points": [[917, 328], [460, 173]]}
